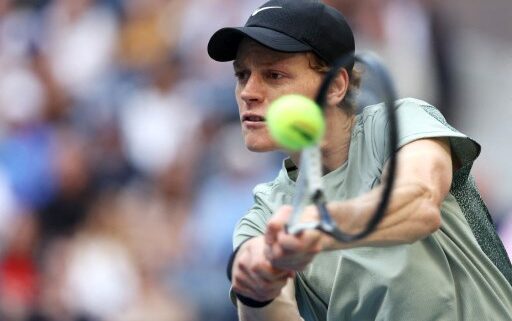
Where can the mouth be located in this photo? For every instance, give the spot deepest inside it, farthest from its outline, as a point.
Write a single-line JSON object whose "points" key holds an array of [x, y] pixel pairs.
{"points": [[253, 119]]}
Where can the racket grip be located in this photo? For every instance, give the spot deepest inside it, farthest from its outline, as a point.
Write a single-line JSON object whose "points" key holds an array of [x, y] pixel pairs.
{"points": [[299, 227]]}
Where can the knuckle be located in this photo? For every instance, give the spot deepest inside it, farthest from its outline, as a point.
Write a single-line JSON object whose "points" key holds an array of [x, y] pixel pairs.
{"points": [[242, 266], [260, 267], [262, 288], [237, 280]]}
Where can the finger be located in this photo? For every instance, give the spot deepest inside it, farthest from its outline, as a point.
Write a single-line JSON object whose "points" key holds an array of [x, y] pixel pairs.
{"points": [[289, 262], [312, 240], [283, 214], [246, 282], [294, 252], [297, 261], [306, 242], [269, 273], [273, 251], [255, 283], [253, 286], [297, 264], [249, 290], [277, 223], [288, 247], [282, 262], [264, 271], [269, 289]]}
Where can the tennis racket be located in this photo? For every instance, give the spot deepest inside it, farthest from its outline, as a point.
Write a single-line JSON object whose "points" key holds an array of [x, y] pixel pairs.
{"points": [[309, 189]]}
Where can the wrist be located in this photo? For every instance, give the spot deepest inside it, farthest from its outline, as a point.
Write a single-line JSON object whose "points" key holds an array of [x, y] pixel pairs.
{"points": [[251, 302]]}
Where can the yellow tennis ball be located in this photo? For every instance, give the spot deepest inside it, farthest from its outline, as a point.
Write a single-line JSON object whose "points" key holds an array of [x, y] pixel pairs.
{"points": [[295, 122]]}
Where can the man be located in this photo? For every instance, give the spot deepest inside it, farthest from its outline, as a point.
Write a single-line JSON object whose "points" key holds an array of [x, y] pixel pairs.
{"points": [[434, 256]]}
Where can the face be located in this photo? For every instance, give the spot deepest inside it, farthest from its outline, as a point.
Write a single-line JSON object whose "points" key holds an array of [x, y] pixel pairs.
{"points": [[264, 75]]}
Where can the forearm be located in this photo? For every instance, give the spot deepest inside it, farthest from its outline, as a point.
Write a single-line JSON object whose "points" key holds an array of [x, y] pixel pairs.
{"points": [[424, 177], [413, 214], [422, 183], [284, 307]]}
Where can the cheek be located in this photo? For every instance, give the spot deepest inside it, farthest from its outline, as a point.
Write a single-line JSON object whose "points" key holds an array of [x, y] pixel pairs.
{"points": [[237, 92], [238, 99], [311, 86]]}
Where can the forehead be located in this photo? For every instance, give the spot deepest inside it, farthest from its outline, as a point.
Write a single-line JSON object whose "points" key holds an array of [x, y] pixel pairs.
{"points": [[249, 51]]}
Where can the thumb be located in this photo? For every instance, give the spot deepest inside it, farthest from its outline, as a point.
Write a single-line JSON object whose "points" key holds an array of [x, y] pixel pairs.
{"points": [[277, 223]]}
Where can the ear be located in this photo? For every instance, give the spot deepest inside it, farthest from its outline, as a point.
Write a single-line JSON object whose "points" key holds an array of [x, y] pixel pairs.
{"points": [[339, 88]]}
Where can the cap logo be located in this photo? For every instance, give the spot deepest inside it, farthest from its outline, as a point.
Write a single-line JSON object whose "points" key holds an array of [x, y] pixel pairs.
{"points": [[264, 8]]}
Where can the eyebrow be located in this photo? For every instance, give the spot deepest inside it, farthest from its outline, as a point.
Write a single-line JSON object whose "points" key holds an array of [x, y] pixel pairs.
{"points": [[268, 62]]}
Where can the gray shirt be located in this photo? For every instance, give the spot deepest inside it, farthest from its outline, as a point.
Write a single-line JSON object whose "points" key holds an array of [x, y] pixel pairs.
{"points": [[460, 272]]}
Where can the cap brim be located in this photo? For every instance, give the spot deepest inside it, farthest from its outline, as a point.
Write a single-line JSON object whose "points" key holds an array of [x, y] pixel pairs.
{"points": [[223, 45]]}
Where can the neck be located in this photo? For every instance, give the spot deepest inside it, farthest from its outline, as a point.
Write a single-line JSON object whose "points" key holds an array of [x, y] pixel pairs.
{"points": [[335, 145]]}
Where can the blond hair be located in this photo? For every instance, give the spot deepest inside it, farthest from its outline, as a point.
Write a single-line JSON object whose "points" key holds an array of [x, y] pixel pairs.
{"points": [[348, 103]]}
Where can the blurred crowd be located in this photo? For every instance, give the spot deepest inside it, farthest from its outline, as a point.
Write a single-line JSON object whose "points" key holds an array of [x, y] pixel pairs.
{"points": [[122, 165]]}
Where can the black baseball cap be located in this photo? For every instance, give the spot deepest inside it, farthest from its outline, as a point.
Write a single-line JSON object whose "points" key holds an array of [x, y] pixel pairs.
{"points": [[289, 26]]}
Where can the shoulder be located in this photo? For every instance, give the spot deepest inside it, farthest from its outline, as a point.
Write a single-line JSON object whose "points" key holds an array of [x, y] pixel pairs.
{"points": [[417, 119], [409, 104], [270, 195]]}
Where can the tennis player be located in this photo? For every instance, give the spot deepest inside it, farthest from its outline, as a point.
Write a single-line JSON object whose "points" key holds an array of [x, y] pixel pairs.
{"points": [[434, 256]]}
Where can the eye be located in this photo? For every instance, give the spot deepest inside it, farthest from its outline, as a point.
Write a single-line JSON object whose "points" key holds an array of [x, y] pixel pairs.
{"points": [[274, 75], [241, 75]]}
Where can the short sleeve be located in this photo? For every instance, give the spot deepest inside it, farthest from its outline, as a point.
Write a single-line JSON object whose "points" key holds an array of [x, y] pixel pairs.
{"points": [[267, 198], [417, 120], [255, 221], [251, 225]]}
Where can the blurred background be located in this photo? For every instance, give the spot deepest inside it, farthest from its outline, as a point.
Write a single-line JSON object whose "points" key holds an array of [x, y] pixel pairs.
{"points": [[122, 166]]}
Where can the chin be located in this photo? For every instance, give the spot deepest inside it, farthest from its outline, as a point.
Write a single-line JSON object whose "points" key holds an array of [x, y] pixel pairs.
{"points": [[260, 147]]}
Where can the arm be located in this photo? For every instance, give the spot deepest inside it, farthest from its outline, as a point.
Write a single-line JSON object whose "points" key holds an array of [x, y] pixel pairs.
{"points": [[254, 277], [423, 181]]}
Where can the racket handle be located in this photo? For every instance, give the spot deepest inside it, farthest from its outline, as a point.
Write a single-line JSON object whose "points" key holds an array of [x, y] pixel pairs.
{"points": [[299, 227]]}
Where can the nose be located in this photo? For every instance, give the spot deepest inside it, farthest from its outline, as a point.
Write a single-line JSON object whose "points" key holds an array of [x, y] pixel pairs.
{"points": [[252, 90]]}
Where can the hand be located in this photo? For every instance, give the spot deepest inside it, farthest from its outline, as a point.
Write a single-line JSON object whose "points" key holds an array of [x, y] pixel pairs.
{"points": [[288, 251], [252, 274]]}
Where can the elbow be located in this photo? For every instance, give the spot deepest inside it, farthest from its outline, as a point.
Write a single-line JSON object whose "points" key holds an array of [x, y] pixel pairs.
{"points": [[428, 214], [432, 212], [432, 218], [427, 222]]}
